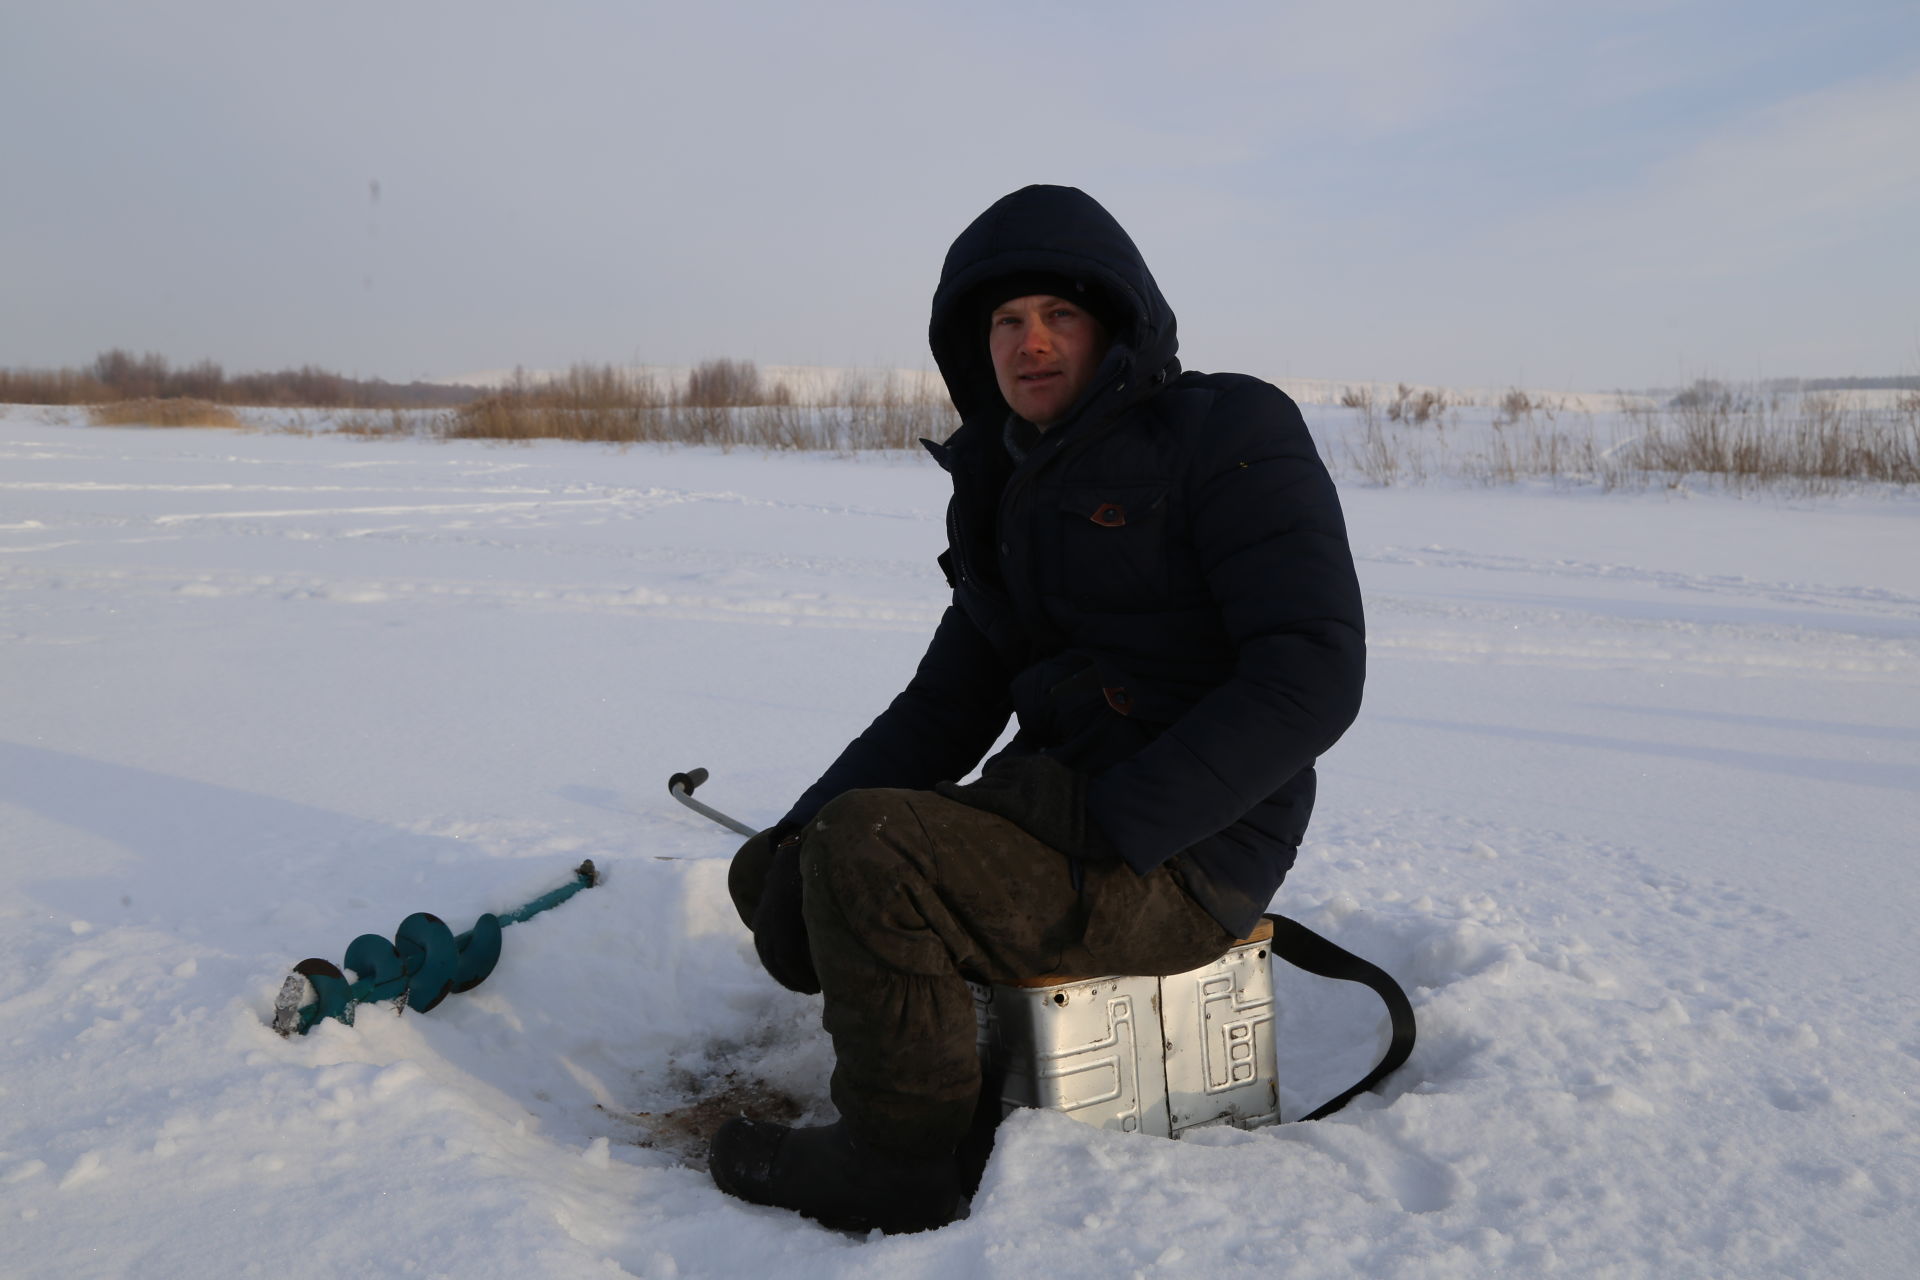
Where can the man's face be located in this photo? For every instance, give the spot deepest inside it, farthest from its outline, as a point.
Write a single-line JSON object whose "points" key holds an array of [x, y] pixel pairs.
{"points": [[1045, 351]]}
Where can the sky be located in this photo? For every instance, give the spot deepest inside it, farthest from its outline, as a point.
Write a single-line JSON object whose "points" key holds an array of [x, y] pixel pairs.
{"points": [[1589, 196]]}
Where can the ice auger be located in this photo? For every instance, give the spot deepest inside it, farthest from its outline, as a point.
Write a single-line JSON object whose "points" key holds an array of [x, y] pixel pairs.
{"points": [[421, 965]]}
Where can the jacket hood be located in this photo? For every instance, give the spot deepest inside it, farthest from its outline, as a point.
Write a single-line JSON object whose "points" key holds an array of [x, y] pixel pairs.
{"points": [[1061, 231]]}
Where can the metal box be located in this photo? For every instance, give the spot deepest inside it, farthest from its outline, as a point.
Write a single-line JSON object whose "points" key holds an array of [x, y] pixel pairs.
{"points": [[1139, 1054]]}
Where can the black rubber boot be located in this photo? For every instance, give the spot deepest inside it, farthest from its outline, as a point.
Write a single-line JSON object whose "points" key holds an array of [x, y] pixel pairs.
{"points": [[823, 1174]]}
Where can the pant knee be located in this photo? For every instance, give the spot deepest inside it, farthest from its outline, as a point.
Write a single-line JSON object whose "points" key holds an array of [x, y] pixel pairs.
{"points": [[863, 859], [856, 834]]}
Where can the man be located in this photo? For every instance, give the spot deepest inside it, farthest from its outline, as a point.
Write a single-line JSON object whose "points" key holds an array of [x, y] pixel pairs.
{"points": [[1149, 570]]}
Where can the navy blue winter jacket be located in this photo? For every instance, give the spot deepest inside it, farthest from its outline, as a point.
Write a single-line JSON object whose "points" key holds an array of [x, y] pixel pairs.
{"points": [[1161, 589]]}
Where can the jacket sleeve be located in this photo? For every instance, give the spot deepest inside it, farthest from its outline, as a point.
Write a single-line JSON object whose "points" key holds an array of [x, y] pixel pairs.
{"points": [[935, 731], [1267, 528]]}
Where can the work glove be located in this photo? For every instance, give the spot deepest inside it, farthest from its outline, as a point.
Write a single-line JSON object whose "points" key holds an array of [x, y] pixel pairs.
{"points": [[764, 882], [1041, 796], [747, 873]]}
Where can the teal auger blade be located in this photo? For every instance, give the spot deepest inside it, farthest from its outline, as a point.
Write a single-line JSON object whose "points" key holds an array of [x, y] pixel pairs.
{"points": [[423, 964], [425, 942], [479, 952], [380, 969]]}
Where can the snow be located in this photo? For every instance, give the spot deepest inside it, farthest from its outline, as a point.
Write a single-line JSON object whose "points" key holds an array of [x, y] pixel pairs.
{"points": [[1631, 811]]}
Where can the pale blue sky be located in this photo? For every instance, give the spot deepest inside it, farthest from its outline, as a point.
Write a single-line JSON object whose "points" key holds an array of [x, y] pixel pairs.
{"points": [[1488, 192]]}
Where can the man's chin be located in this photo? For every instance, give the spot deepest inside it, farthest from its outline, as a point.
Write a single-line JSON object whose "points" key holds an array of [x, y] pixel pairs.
{"points": [[1041, 411]]}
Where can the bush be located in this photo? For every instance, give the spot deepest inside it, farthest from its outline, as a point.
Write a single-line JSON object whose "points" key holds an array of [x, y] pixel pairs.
{"points": [[715, 384], [52, 386], [177, 412], [120, 375]]}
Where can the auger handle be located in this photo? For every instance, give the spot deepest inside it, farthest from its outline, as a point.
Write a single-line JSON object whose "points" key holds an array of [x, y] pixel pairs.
{"points": [[682, 786]]}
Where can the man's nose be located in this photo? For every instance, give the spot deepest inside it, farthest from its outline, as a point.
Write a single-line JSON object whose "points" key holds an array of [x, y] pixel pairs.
{"points": [[1039, 338]]}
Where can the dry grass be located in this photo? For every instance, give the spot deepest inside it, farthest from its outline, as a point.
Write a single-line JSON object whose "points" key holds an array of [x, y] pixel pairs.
{"points": [[1516, 406], [163, 413], [1814, 443], [587, 402], [719, 402], [392, 424], [1533, 448], [882, 411], [1709, 436], [723, 403], [121, 375], [1380, 460], [1418, 407]]}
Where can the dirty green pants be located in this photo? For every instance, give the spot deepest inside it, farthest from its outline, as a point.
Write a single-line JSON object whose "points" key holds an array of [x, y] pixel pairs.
{"points": [[907, 891]]}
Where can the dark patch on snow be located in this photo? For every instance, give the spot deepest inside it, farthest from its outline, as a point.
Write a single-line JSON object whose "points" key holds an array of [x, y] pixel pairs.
{"points": [[685, 1131]]}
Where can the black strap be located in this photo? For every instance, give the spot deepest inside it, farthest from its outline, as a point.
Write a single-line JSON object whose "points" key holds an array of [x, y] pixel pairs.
{"points": [[1302, 948]]}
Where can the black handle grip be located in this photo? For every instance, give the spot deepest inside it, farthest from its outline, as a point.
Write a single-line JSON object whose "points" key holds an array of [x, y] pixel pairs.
{"points": [[684, 783]]}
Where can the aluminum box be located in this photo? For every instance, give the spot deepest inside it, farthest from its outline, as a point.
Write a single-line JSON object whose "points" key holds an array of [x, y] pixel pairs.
{"points": [[1139, 1054]]}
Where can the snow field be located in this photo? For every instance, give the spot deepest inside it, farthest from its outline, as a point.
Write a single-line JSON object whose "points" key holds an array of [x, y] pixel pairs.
{"points": [[1630, 811]]}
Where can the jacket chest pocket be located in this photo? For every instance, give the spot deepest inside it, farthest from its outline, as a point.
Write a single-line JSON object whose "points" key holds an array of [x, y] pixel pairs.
{"points": [[1105, 545]]}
